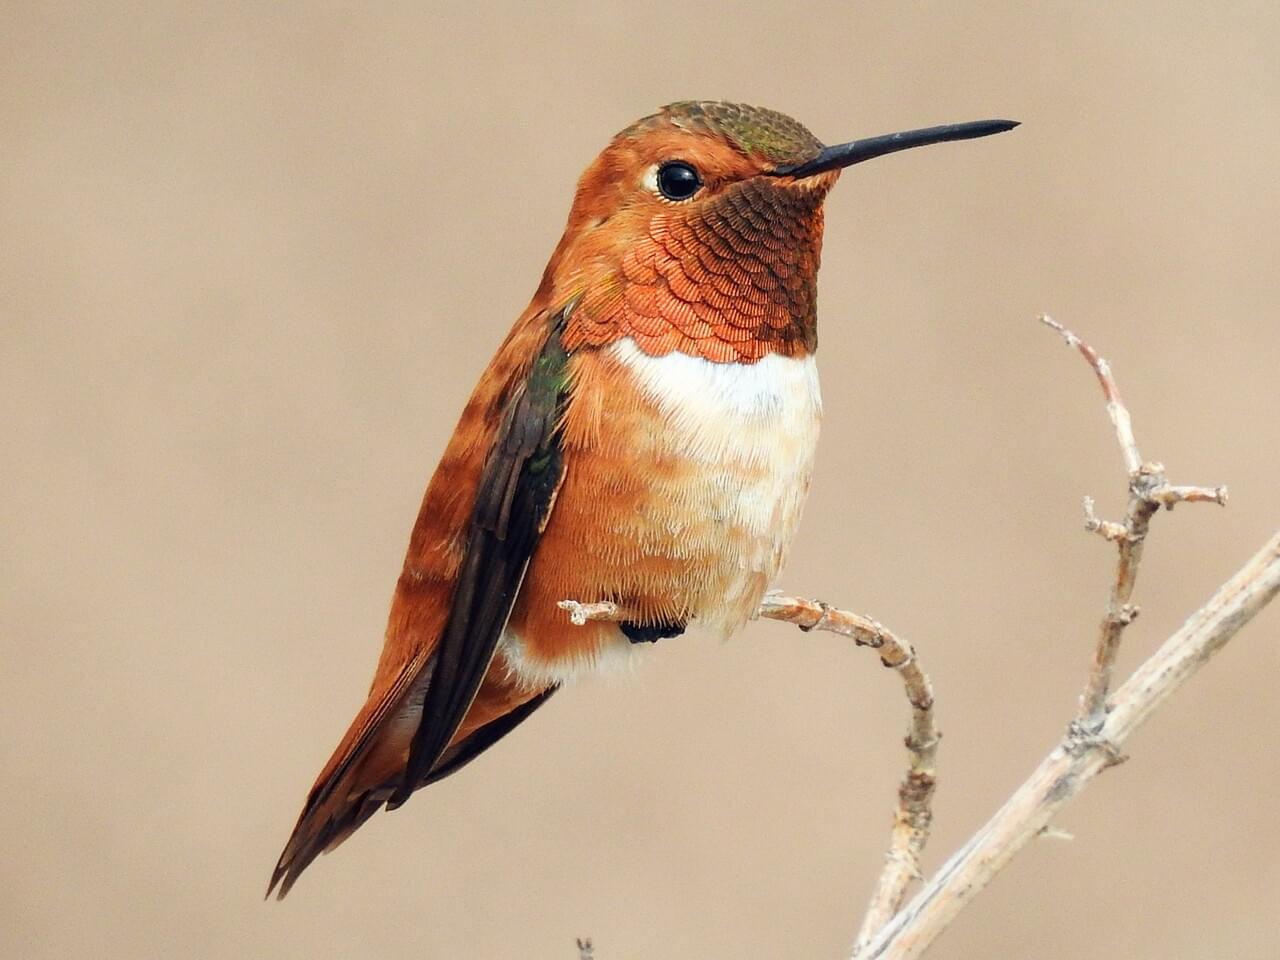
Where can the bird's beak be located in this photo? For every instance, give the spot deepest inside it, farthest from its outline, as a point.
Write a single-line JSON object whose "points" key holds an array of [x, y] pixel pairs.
{"points": [[847, 154]]}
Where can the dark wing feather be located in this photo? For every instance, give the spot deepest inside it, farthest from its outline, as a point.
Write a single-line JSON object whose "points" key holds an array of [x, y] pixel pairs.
{"points": [[513, 501], [458, 756]]}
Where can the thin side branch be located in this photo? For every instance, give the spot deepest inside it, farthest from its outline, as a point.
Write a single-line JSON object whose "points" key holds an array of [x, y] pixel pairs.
{"points": [[1149, 490], [1078, 759], [1116, 409], [580, 613]]}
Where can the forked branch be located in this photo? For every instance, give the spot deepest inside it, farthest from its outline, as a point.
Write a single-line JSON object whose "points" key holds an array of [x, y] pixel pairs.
{"points": [[1149, 490], [1078, 759], [1095, 737]]}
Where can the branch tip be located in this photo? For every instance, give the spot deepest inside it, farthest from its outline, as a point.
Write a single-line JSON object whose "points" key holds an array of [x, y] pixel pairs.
{"points": [[580, 613], [1107, 529]]}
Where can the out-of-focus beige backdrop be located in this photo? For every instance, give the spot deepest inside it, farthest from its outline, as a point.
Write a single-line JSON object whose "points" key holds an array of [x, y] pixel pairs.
{"points": [[253, 259]]}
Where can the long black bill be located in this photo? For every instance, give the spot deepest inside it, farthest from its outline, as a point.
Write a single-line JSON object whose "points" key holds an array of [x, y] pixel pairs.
{"points": [[847, 154]]}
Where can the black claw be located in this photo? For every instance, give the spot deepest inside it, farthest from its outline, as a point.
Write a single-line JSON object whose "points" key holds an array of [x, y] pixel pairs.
{"points": [[638, 632]]}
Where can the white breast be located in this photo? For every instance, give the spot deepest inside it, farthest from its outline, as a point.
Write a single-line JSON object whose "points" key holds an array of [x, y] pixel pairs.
{"points": [[774, 392], [764, 413], [755, 426]]}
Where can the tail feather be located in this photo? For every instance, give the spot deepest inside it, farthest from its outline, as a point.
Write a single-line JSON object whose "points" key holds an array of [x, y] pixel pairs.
{"points": [[319, 831], [336, 809]]}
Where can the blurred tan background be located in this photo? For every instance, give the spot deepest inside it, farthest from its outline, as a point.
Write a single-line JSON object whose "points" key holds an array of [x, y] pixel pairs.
{"points": [[253, 259]]}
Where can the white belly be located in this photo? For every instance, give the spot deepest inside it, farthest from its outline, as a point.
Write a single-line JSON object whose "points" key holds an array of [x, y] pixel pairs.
{"points": [[755, 427]]}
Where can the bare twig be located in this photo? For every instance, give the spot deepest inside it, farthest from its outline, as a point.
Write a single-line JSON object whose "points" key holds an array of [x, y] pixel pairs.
{"points": [[1106, 529], [1078, 759], [1116, 409], [580, 613], [915, 795], [1149, 490]]}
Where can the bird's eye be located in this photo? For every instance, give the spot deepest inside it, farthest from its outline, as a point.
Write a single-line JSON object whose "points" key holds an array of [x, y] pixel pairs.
{"points": [[677, 180]]}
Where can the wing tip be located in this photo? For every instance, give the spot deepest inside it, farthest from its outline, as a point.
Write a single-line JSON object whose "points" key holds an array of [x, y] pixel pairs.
{"points": [[276, 874], [286, 872]]}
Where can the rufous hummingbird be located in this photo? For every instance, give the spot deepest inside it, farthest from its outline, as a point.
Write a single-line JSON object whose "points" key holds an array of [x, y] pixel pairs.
{"points": [[645, 435]]}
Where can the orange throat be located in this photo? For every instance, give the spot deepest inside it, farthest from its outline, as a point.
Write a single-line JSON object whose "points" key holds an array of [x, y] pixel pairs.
{"points": [[731, 284]]}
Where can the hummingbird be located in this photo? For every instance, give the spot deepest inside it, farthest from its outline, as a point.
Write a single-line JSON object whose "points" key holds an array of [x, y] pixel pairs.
{"points": [[644, 435]]}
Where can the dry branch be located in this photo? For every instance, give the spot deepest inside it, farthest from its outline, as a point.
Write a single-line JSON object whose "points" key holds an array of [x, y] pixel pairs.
{"points": [[1094, 738], [915, 795], [1149, 490], [1078, 759]]}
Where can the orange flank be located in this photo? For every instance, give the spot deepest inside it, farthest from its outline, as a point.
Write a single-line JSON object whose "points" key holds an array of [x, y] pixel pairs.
{"points": [[645, 435]]}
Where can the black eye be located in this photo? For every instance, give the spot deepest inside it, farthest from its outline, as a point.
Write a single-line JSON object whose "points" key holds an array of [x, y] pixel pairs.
{"points": [[678, 181]]}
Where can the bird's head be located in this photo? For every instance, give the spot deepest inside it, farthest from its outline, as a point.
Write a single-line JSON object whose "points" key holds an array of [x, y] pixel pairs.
{"points": [[699, 229]]}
